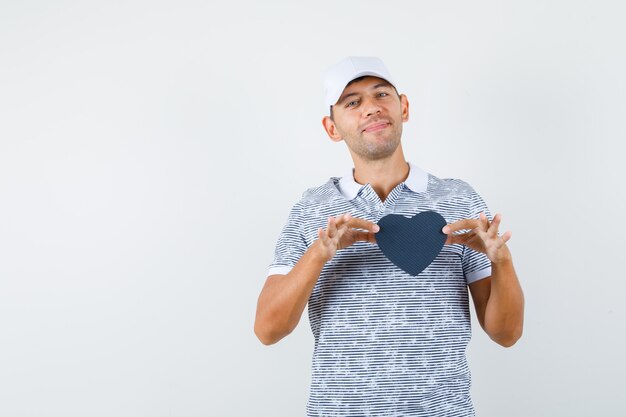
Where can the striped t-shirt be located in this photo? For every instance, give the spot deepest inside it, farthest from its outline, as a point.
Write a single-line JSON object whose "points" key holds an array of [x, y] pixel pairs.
{"points": [[387, 343]]}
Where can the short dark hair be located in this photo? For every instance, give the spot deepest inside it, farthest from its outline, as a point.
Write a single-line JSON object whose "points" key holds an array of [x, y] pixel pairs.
{"points": [[356, 80]]}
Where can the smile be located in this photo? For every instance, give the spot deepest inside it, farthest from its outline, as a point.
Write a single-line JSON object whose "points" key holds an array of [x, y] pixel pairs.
{"points": [[376, 127]]}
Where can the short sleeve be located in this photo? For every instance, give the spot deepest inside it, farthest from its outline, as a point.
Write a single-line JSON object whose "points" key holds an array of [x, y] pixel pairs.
{"points": [[476, 265], [291, 244]]}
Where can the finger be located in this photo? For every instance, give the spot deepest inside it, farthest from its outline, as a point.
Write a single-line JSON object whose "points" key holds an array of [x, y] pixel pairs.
{"points": [[458, 239], [321, 233], [484, 221], [495, 224], [343, 219], [331, 229], [358, 223], [340, 232], [505, 237], [460, 225], [343, 222], [364, 237]]}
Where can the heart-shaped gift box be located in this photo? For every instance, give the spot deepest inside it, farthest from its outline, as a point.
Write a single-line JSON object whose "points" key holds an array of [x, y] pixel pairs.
{"points": [[411, 243]]}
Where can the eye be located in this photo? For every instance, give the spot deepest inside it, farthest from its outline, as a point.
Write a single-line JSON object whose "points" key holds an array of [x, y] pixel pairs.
{"points": [[382, 94], [352, 103]]}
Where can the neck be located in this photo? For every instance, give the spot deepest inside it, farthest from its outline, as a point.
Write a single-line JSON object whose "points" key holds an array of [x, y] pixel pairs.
{"points": [[382, 174]]}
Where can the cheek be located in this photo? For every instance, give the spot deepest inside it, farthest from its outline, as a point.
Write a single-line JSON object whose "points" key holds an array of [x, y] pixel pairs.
{"points": [[346, 125]]}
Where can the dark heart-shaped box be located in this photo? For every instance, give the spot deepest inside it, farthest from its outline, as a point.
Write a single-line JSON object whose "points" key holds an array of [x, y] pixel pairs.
{"points": [[411, 243]]}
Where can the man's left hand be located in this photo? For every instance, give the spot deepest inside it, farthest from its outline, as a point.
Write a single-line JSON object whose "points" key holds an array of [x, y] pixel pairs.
{"points": [[482, 237]]}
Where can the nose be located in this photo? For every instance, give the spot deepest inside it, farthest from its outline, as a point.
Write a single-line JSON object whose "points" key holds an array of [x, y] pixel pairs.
{"points": [[370, 107]]}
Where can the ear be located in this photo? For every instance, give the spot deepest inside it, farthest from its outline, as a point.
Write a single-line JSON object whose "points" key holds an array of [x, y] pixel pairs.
{"points": [[331, 129], [404, 102]]}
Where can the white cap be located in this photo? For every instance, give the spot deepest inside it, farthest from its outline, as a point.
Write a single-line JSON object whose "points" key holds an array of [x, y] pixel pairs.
{"points": [[346, 70]]}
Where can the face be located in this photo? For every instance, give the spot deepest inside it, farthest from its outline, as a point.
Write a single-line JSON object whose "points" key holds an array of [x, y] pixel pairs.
{"points": [[368, 117]]}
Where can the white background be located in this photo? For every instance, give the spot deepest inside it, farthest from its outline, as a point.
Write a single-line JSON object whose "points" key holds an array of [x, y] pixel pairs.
{"points": [[150, 153]]}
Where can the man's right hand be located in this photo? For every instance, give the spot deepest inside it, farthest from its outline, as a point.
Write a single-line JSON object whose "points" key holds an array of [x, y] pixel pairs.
{"points": [[341, 232], [284, 297]]}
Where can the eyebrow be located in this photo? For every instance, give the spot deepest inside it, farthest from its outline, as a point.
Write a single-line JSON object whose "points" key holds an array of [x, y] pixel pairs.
{"points": [[374, 87], [381, 85]]}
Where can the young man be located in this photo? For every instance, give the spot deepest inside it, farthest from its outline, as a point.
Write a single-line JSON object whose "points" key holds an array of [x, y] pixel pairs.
{"points": [[386, 342]]}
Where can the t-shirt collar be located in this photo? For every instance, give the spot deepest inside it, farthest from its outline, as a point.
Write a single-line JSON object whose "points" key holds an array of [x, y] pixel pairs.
{"points": [[417, 181]]}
